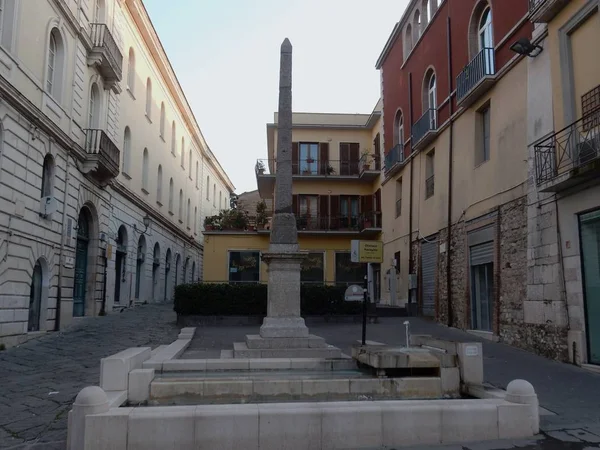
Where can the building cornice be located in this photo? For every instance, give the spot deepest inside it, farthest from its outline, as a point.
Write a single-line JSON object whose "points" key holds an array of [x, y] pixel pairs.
{"points": [[147, 31]]}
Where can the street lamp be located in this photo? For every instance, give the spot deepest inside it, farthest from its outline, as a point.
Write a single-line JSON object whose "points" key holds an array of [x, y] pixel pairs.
{"points": [[146, 222], [524, 47]]}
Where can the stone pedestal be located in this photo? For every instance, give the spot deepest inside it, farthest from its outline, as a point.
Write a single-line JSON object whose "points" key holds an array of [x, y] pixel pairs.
{"points": [[283, 305]]}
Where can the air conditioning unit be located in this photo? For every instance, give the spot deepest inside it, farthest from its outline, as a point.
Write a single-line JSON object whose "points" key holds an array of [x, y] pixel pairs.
{"points": [[48, 205]]}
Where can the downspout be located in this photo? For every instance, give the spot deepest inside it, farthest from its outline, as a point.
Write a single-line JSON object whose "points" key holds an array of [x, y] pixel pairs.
{"points": [[62, 246], [450, 164], [411, 266]]}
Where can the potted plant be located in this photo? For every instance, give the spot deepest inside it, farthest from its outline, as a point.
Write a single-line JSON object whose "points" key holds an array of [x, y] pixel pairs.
{"points": [[330, 170], [211, 222], [234, 219], [261, 215], [365, 160], [260, 167]]}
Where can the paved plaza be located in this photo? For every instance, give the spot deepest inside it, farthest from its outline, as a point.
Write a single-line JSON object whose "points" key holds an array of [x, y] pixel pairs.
{"points": [[41, 378]]}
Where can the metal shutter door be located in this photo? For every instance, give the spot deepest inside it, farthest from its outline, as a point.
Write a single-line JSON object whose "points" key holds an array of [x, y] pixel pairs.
{"points": [[482, 253], [428, 266]]}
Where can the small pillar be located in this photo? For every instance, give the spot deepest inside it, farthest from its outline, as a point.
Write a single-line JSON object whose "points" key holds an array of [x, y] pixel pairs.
{"points": [[523, 393], [90, 400]]}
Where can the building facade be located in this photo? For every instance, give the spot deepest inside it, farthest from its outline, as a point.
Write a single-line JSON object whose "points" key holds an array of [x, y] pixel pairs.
{"points": [[336, 198], [101, 165], [455, 173], [563, 278]]}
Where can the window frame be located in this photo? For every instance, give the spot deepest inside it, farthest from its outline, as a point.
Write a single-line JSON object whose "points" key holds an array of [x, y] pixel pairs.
{"points": [[258, 266]]}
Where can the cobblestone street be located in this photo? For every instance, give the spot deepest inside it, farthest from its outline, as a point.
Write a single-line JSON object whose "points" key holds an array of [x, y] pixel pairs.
{"points": [[41, 378]]}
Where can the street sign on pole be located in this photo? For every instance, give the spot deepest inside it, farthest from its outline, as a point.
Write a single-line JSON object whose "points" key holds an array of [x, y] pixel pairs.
{"points": [[354, 293], [366, 251]]}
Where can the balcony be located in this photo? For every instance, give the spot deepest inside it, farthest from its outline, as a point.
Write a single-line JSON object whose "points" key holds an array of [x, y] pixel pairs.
{"points": [[394, 160], [543, 11], [105, 54], [424, 130], [476, 78], [366, 223], [103, 156], [569, 157], [366, 169]]}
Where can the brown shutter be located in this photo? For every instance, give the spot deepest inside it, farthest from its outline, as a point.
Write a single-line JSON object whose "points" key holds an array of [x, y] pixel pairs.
{"points": [[354, 151], [344, 159], [323, 212], [377, 147], [378, 200], [323, 157], [295, 204], [335, 212], [295, 158]]}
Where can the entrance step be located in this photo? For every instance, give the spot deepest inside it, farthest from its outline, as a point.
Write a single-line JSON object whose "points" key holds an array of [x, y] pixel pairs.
{"points": [[241, 350], [255, 341]]}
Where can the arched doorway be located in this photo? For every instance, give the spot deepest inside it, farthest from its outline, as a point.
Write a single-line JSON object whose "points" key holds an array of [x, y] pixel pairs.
{"points": [[193, 280], [35, 298], [139, 273], [81, 264], [177, 268], [167, 277], [120, 259], [155, 271], [185, 270]]}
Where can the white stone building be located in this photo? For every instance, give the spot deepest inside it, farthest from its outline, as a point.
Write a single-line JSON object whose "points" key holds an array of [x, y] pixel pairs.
{"points": [[103, 168]]}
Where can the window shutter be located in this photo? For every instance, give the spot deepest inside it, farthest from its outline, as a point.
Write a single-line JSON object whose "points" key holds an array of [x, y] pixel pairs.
{"points": [[378, 200], [295, 158], [335, 212], [344, 159], [323, 157], [354, 151], [295, 204], [324, 206]]}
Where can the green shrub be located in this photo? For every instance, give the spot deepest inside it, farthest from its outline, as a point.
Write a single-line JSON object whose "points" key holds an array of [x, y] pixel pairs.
{"points": [[250, 299]]}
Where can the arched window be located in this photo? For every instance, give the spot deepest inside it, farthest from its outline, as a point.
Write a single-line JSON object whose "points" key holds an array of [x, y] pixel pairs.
{"points": [[399, 128], [207, 188], [187, 213], [195, 220], [162, 120], [171, 193], [131, 71], [181, 205], [485, 39], [149, 99], [430, 97], [426, 13], [197, 168], [7, 23], [173, 138], [99, 11], [214, 195], [432, 92], [417, 29], [190, 164], [48, 176], [56, 63], [94, 107], [159, 185], [182, 152], [220, 200], [126, 150], [408, 40], [145, 164]]}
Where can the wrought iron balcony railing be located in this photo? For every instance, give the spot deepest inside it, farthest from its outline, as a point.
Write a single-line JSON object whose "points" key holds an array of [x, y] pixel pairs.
{"points": [[103, 40], [395, 156], [426, 123], [314, 167], [364, 221], [483, 65], [571, 148]]}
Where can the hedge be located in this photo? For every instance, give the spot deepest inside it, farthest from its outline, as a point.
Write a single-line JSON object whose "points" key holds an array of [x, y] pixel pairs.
{"points": [[250, 299]]}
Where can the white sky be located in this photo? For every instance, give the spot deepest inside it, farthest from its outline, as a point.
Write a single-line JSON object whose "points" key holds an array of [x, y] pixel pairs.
{"points": [[226, 56]]}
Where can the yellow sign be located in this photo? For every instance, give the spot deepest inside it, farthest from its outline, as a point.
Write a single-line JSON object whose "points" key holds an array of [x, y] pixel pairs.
{"points": [[366, 251]]}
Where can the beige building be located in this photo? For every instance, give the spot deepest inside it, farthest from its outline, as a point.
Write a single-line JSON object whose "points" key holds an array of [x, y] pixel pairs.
{"points": [[564, 195], [104, 173]]}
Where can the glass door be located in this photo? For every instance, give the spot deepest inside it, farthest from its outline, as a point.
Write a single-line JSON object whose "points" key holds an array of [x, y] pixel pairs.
{"points": [[590, 261]]}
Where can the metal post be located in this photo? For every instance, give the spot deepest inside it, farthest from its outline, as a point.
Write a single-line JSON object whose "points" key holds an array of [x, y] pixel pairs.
{"points": [[364, 321]]}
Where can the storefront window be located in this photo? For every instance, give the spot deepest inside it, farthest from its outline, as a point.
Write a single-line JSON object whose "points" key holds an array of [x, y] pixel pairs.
{"points": [[313, 269], [244, 267], [347, 272]]}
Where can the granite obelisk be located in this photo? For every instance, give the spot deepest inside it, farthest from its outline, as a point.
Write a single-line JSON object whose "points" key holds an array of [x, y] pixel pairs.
{"points": [[283, 318]]}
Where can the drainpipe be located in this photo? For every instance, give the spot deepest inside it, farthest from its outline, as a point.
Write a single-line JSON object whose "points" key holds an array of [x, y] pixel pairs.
{"points": [[450, 164], [410, 197], [62, 247]]}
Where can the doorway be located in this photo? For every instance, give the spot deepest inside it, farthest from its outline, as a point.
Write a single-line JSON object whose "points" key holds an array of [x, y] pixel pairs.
{"points": [[35, 299], [177, 264], [141, 256], [482, 286], [81, 264], [121, 258], [167, 277], [429, 253], [589, 230], [155, 271]]}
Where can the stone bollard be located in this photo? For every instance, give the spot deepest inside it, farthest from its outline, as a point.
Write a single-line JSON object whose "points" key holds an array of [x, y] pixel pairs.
{"points": [[523, 393], [90, 400]]}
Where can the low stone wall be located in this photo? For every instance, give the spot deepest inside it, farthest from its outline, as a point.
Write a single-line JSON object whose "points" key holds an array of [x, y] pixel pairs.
{"points": [[195, 321]]}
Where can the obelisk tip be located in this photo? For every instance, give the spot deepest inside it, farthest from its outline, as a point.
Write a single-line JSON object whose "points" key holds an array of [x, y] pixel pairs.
{"points": [[286, 47]]}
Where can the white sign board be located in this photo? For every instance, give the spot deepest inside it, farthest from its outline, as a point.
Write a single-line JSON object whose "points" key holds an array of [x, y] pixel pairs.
{"points": [[354, 293], [471, 350]]}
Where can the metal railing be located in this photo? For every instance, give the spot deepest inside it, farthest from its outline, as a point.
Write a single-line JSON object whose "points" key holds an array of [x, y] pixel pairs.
{"points": [[481, 66], [309, 167], [429, 186], [394, 156], [426, 123], [101, 37], [98, 142], [574, 146]]}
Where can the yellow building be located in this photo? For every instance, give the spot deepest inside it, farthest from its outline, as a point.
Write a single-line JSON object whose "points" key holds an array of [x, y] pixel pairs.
{"points": [[564, 196], [336, 198]]}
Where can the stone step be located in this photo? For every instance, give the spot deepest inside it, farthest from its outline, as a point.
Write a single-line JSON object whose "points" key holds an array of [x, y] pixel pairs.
{"points": [[241, 350], [255, 341]]}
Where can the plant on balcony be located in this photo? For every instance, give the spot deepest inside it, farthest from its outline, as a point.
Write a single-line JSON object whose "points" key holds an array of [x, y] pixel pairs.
{"points": [[260, 167], [365, 159], [261, 215], [367, 221], [212, 222], [234, 219], [330, 170]]}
